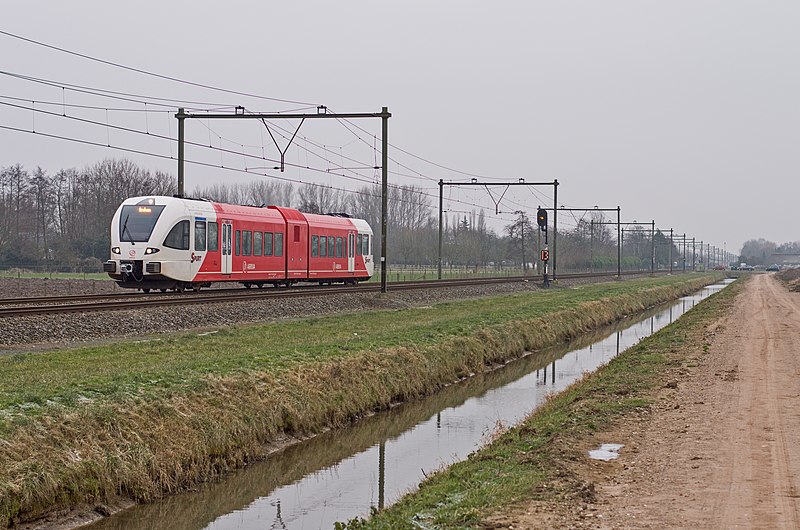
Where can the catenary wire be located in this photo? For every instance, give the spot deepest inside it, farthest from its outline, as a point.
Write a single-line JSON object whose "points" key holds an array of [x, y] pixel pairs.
{"points": [[153, 74]]}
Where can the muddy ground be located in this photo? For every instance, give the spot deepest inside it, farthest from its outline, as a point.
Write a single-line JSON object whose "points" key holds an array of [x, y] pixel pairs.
{"points": [[721, 447]]}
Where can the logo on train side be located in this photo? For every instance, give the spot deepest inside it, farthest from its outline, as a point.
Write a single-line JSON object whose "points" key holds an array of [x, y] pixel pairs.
{"points": [[196, 257]]}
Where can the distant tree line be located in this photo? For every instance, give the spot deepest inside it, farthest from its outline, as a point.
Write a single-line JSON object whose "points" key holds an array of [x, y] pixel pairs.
{"points": [[61, 221], [763, 252]]}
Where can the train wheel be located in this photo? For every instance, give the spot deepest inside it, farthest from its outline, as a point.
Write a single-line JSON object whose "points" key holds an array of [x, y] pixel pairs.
{"points": [[163, 290], [145, 291], [179, 288], [196, 288], [260, 285], [247, 285]]}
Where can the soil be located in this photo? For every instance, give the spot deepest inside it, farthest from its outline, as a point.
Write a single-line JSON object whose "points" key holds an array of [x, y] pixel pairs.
{"points": [[721, 449]]}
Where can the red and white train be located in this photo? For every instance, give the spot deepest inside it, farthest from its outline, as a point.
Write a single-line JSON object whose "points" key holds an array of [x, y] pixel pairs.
{"points": [[176, 243]]}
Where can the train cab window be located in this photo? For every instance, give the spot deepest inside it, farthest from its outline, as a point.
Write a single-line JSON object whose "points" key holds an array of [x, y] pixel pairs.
{"points": [[268, 243], [323, 246], [199, 235], [238, 242], [331, 246], [178, 237], [247, 242], [278, 243], [213, 237], [314, 246], [365, 245], [297, 234], [257, 243], [359, 238], [339, 247]]}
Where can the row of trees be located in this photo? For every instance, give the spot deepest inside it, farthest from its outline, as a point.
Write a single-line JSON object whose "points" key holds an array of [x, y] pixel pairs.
{"points": [[61, 221], [64, 218], [763, 252]]}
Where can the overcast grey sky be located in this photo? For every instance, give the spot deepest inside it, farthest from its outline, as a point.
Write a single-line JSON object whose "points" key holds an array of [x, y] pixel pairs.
{"points": [[685, 112]]}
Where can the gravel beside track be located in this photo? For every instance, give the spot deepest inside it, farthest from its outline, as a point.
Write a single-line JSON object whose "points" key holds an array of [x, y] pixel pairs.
{"points": [[46, 332]]}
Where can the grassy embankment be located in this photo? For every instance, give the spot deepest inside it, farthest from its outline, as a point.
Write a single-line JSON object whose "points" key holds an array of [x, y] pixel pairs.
{"points": [[533, 460], [144, 419]]}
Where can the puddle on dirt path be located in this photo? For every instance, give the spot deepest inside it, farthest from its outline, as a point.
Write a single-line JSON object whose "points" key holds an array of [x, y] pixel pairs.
{"points": [[341, 474], [606, 452]]}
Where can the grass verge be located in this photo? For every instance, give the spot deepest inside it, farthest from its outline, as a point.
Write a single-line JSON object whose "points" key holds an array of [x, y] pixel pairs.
{"points": [[532, 461], [142, 420]]}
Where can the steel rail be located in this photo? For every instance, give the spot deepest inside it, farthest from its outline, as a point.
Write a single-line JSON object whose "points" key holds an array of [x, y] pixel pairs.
{"points": [[130, 301]]}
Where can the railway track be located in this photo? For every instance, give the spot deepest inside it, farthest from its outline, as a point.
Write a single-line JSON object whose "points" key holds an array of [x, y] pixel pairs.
{"points": [[51, 305]]}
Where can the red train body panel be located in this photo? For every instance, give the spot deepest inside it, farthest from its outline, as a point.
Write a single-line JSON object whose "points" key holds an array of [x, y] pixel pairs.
{"points": [[168, 242]]}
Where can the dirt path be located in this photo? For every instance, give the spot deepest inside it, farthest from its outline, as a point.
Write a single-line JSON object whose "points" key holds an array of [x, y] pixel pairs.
{"points": [[722, 450]]}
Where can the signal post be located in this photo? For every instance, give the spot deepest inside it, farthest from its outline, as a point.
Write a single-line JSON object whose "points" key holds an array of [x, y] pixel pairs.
{"points": [[541, 220]]}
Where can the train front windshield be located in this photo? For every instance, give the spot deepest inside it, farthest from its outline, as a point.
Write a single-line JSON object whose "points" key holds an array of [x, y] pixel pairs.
{"points": [[136, 222]]}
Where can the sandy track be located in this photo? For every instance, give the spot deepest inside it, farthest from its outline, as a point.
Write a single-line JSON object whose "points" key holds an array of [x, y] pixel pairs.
{"points": [[719, 449], [723, 451]]}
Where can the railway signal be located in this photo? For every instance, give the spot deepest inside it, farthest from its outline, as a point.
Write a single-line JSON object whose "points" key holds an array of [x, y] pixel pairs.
{"points": [[541, 219]]}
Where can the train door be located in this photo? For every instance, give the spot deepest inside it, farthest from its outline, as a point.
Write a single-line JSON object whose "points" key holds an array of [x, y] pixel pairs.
{"points": [[227, 247], [351, 252], [297, 249]]}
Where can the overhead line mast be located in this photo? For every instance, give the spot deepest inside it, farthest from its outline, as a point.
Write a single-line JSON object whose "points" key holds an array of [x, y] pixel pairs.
{"points": [[322, 112]]}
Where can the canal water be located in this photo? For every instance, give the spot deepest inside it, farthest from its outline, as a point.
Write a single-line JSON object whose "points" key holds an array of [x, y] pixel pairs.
{"points": [[341, 474]]}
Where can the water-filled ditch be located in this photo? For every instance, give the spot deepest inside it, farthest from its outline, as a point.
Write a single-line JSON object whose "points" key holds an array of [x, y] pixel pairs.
{"points": [[341, 474]]}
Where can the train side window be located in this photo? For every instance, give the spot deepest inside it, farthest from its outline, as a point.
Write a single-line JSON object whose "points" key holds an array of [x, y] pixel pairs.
{"points": [[199, 235], [314, 246], [297, 234], [247, 242], [257, 243], [323, 246], [351, 243], [213, 236], [365, 249], [268, 243], [278, 243], [339, 247], [359, 242], [331, 246], [178, 237], [238, 242]]}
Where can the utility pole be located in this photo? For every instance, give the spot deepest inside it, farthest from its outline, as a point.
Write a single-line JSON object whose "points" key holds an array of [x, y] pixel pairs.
{"points": [[181, 128], [384, 191], [619, 245], [684, 252], [439, 260], [520, 182], [555, 228], [671, 244], [522, 240], [653, 249], [322, 112]]}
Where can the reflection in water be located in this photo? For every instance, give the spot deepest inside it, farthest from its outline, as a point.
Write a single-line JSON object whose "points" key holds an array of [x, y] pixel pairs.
{"points": [[334, 477]]}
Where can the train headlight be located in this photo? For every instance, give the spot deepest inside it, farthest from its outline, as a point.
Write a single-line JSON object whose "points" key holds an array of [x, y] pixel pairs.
{"points": [[115, 250], [151, 250]]}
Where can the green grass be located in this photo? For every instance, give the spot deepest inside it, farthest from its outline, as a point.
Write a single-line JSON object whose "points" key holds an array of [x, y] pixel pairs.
{"points": [[155, 417], [532, 461], [181, 362]]}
